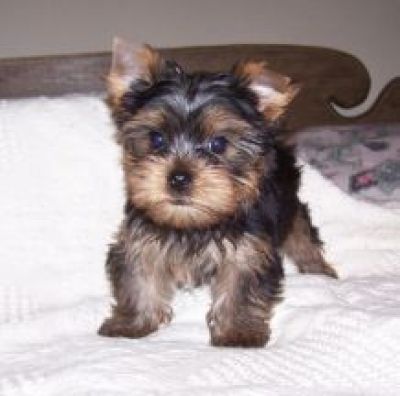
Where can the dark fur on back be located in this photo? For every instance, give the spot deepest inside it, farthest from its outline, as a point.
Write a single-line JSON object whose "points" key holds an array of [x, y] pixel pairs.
{"points": [[211, 196]]}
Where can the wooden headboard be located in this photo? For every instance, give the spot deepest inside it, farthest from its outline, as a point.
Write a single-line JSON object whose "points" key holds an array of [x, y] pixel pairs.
{"points": [[328, 77]]}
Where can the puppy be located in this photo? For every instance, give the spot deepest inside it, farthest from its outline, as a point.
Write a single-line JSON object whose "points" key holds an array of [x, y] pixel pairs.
{"points": [[211, 196]]}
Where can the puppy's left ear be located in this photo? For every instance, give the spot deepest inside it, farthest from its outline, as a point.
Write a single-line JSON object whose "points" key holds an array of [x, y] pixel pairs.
{"points": [[273, 90]]}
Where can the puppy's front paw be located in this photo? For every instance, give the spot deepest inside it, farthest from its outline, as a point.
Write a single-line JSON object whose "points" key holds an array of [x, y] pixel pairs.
{"points": [[237, 338], [125, 327]]}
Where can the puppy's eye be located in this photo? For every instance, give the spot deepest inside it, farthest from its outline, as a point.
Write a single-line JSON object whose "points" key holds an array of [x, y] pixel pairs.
{"points": [[218, 144], [157, 140]]}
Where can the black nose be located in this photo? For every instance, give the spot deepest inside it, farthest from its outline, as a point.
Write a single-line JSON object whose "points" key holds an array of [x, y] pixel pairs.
{"points": [[179, 180]]}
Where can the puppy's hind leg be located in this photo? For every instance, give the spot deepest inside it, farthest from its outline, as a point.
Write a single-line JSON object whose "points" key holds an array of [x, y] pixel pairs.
{"points": [[304, 247]]}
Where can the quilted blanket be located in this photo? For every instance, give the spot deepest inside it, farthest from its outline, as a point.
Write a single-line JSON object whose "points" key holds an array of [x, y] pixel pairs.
{"points": [[60, 202]]}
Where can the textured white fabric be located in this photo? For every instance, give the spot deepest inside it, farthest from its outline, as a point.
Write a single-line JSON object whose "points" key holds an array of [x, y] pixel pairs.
{"points": [[60, 202]]}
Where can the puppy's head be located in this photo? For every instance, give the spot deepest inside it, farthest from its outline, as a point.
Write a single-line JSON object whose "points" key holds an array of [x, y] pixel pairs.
{"points": [[195, 146]]}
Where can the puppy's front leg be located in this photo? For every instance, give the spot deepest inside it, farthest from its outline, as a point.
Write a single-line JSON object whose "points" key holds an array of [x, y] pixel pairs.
{"points": [[141, 292], [244, 291]]}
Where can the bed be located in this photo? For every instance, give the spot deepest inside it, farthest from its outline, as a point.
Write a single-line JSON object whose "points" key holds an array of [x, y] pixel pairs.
{"points": [[61, 200]]}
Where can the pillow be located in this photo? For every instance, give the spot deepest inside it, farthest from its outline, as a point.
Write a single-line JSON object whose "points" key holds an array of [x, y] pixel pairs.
{"points": [[363, 160]]}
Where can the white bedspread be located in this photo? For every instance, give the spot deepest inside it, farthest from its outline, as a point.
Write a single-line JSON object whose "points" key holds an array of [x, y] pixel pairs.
{"points": [[60, 202]]}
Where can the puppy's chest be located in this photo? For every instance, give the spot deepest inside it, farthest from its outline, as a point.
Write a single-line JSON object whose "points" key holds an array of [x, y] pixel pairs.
{"points": [[180, 264]]}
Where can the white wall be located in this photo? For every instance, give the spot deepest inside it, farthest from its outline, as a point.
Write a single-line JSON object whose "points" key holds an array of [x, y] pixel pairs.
{"points": [[369, 29]]}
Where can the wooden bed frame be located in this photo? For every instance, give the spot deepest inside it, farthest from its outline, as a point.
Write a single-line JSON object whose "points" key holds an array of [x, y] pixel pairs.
{"points": [[328, 77]]}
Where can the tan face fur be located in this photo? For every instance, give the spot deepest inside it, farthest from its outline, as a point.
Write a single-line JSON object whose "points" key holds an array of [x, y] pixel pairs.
{"points": [[214, 193]]}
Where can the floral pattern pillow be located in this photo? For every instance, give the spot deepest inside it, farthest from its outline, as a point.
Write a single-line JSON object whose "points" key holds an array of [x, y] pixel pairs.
{"points": [[363, 160]]}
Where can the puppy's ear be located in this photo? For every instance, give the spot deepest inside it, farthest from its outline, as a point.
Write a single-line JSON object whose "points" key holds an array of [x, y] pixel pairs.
{"points": [[130, 63], [274, 91]]}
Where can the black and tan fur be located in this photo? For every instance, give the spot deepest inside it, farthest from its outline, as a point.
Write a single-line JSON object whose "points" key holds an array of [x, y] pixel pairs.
{"points": [[216, 203]]}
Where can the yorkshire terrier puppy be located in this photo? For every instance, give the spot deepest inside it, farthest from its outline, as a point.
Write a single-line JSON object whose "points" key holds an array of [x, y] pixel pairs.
{"points": [[211, 196]]}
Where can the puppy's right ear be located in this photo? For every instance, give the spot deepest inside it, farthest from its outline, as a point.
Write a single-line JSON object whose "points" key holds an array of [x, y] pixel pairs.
{"points": [[130, 63]]}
